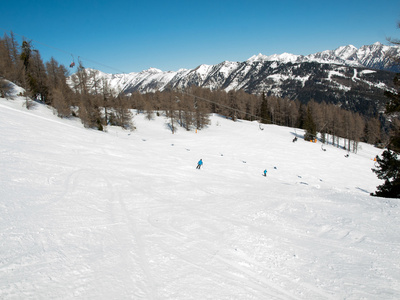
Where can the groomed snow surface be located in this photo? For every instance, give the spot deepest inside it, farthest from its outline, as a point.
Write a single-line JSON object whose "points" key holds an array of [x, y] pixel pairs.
{"points": [[125, 215]]}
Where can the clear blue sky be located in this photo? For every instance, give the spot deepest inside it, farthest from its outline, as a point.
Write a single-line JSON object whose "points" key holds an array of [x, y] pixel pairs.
{"points": [[131, 36]]}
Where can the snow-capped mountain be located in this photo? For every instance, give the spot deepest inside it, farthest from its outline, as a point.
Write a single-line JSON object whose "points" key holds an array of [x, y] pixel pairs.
{"points": [[376, 56], [353, 77]]}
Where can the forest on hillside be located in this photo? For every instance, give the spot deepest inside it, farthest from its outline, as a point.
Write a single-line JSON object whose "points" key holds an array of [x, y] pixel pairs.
{"points": [[85, 95]]}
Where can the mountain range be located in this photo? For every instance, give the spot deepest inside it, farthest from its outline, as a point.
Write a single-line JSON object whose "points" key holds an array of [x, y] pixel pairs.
{"points": [[354, 78]]}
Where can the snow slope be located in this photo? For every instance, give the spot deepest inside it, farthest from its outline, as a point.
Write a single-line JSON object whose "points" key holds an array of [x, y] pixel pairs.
{"points": [[125, 215]]}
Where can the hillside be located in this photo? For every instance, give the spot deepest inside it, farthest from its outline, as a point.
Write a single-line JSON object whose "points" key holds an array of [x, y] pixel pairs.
{"points": [[119, 214]]}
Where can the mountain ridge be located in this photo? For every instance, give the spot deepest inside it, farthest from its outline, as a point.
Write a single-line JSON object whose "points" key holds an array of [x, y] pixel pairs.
{"points": [[355, 78]]}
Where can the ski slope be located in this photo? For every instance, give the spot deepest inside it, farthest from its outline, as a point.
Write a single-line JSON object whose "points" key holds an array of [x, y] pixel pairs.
{"points": [[125, 215]]}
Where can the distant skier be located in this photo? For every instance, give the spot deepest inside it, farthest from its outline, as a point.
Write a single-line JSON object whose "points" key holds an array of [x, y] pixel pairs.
{"points": [[265, 172], [295, 139], [199, 164]]}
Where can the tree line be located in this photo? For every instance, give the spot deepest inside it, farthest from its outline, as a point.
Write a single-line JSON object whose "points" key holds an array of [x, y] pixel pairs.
{"points": [[85, 94], [50, 83], [336, 126]]}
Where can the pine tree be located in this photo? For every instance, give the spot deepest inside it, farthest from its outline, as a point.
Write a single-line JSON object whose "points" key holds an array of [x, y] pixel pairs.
{"points": [[309, 126], [26, 54], [388, 169], [389, 165], [35, 73], [264, 115], [233, 105]]}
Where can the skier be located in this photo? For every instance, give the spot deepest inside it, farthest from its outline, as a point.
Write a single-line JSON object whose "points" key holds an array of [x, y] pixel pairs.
{"points": [[199, 164], [265, 172]]}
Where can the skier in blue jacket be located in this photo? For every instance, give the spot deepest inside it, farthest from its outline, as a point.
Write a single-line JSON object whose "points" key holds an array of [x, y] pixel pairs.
{"points": [[199, 164]]}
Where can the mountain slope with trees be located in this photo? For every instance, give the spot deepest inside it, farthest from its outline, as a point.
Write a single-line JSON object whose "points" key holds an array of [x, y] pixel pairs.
{"points": [[100, 99], [355, 79]]}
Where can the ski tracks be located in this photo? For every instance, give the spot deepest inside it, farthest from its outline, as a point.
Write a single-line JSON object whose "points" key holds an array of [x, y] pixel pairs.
{"points": [[205, 245], [117, 232], [132, 247], [139, 247]]}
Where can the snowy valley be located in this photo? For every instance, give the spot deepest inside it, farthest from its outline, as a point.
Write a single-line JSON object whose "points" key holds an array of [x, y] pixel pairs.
{"points": [[125, 215]]}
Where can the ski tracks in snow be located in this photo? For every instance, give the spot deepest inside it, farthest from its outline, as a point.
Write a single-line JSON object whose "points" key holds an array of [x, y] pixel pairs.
{"points": [[110, 238], [138, 247], [136, 278], [206, 247]]}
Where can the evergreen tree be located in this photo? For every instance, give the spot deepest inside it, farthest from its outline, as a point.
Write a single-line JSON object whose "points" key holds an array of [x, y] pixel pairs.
{"points": [[38, 78], [26, 54], [264, 115], [389, 165], [309, 126], [233, 105], [388, 169], [35, 72]]}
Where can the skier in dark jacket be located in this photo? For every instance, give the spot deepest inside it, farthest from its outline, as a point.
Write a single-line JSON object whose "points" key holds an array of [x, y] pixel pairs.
{"points": [[199, 164]]}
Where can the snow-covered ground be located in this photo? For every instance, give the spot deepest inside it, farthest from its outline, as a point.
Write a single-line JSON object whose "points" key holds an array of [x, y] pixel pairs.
{"points": [[125, 215]]}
